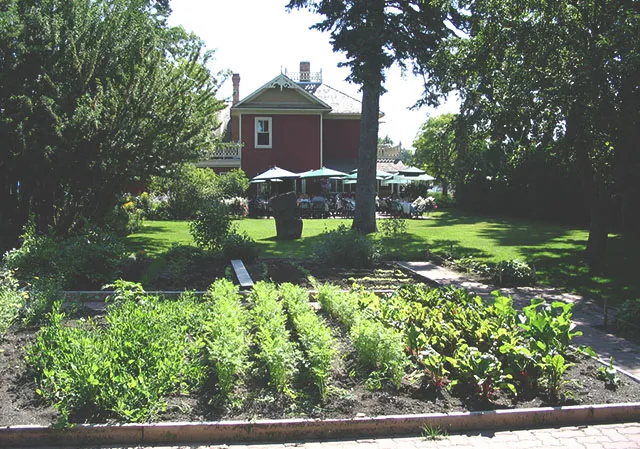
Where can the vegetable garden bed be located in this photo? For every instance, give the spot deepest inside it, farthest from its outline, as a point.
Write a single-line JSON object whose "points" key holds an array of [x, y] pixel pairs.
{"points": [[272, 356]]}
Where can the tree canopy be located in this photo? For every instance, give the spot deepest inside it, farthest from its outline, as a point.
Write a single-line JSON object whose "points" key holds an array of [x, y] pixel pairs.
{"points": [[96, 96], [373, 35], [553, 87], [435, 149]]}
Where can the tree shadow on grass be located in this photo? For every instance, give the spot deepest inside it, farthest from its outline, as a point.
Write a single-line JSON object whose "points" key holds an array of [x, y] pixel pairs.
{"points": [[565, 268], [523, 234], [410, 247]]}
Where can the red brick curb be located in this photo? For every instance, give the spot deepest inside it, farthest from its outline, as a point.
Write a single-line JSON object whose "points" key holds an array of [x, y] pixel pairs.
{"points": [[299, 429]]}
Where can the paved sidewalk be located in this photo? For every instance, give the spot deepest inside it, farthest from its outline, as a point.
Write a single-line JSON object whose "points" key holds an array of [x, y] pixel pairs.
{"points": [[586, 314], [618, 436]]}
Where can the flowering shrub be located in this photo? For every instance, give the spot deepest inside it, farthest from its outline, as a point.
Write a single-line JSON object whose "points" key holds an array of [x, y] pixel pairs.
{"points": [[424, 204], [238, 206]]}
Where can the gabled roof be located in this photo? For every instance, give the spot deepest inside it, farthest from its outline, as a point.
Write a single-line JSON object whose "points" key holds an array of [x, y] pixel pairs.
{"points": [[283, 82], [340, 102]]}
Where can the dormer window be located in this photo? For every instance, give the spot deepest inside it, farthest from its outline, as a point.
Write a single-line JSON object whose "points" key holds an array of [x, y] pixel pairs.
{"points": [[263, 132]]}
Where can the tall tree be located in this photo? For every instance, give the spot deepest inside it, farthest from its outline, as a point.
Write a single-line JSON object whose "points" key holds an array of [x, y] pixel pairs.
{"points": [[435, 149], [96, 96], [374, 34], [555, 77]]}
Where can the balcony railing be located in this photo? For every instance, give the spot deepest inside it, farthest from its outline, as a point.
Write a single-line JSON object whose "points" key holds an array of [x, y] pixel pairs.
{"points": [[305, 77], [226, 154], [226, 150]]}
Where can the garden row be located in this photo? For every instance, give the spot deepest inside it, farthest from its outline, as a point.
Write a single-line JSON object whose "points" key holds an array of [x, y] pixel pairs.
{"points": [[148, 349]]}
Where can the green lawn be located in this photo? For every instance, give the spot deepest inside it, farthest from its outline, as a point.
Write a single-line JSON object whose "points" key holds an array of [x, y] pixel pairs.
{"points": [[555, 250]]}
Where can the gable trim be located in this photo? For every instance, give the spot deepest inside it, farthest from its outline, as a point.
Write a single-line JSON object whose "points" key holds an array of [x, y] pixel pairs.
{"points": [[283, 82]]}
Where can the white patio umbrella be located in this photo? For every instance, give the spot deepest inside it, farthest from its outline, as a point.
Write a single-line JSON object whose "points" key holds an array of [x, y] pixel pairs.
{"points": [[274, 173], [411, 171], [322, 172]]}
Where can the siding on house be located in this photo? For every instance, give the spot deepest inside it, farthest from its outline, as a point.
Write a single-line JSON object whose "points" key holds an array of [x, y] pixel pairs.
{"points": [[295, 143]]}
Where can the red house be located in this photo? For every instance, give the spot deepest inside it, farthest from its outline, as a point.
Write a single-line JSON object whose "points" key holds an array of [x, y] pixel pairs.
{"points": [[295, 122]]}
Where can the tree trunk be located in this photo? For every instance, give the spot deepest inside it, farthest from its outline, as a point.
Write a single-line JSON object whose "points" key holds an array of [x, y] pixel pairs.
{"points": [[598, 233], [365, 214], [597, 196]]}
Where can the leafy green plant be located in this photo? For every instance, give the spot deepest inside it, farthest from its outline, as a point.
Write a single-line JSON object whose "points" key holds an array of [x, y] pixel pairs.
{"points": [[553, 367], [393, 227], [473, 265], [41, 295], [89, 258], [124, 369], [380, 350], [609, 374], [482, 371], [315, 337], [125, 291], [238, 245], [225, 340], [341, 305], [513, 273], [548, 327], [211, 225], [434, 368], [11, 301], [277, 353], [433, 433], [343, 247]]}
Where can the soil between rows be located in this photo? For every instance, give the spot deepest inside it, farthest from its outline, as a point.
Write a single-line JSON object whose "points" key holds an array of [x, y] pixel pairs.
{"points": [[20, 405]]}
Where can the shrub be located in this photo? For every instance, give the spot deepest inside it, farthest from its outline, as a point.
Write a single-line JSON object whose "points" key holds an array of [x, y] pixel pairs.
{"points": [[43, 293], [443, 201], [393, 227], [88, 259], [238, 245], [233, 183], [628, 317], [343, 247], [125, 218], [238, 207], [211, 226], [190, 189], [11, 302], [513, 273]]}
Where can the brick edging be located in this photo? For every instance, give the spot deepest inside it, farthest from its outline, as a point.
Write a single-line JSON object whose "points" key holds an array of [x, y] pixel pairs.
{"points": [[314, 429]]}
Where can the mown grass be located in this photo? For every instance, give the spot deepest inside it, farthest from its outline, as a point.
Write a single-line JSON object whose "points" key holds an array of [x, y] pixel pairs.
{"points": [[556, 251]]}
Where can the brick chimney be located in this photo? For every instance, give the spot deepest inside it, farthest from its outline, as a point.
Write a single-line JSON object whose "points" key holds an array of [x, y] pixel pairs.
{"points": [[236, 87], [305, 71]]}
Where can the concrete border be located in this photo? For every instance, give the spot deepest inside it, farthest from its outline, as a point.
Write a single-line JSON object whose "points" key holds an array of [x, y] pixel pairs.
{"points": [[310, 429]]}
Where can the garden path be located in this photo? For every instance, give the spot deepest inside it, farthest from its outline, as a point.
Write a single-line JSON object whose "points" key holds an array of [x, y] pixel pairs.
{"points": [[588, 315]]}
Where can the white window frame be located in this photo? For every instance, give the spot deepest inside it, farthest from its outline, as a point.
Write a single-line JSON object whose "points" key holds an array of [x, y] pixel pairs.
{"points": [[255, 130]]}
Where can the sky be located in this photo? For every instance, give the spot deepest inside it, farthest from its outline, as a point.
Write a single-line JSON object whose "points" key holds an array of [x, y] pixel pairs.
{"points": [[259, 39]]}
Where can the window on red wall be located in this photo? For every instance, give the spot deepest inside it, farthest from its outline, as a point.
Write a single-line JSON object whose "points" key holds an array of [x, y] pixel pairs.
{"points": [[263, 137]]}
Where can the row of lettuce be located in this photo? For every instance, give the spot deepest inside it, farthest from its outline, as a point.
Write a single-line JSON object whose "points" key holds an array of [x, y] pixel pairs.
{"points": [[149, 348]]}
